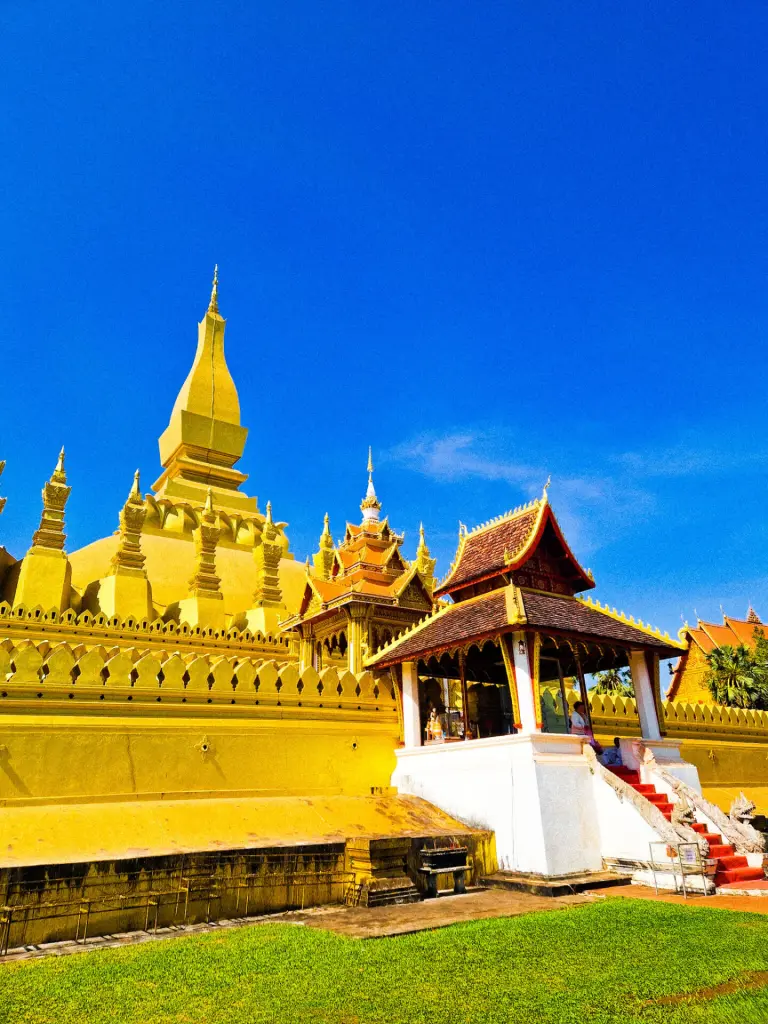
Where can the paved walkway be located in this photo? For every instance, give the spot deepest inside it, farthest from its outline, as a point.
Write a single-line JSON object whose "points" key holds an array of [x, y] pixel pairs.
{"points": [[378, 922], [752, 904]]}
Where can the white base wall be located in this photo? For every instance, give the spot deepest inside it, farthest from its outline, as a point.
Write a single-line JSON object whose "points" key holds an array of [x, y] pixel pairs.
{"points": [[534, 791], [550, 814]]}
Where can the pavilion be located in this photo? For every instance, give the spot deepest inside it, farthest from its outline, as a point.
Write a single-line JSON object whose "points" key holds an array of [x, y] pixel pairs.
{"points": [[489, 663]]}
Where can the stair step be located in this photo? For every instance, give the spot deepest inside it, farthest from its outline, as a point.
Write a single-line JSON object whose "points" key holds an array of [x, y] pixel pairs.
{"points": [[713, 838], [698, 827], [731, 861], [656, 798], [739, 875], [646, 789], [716, 851]]}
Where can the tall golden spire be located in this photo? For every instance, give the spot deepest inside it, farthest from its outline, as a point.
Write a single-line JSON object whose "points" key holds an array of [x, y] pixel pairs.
{"points": [[204, 438]]}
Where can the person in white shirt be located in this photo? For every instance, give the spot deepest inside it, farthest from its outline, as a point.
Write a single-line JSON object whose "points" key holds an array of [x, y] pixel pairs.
{"points": [[580, 726]]}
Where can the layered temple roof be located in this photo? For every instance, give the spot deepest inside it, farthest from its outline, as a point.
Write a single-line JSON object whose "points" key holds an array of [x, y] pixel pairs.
{"points": [[706, 636], [488, 616], [366, 566], [518, 572], [505, 544]]}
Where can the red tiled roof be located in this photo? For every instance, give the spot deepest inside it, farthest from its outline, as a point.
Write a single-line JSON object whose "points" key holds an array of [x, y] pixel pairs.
{"points": [[744, 630], [710, 635], [704, 642], [719, 635]]}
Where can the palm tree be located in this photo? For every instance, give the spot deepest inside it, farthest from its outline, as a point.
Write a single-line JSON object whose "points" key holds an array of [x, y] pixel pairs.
{"points": [[734, 679], [614, 681]]}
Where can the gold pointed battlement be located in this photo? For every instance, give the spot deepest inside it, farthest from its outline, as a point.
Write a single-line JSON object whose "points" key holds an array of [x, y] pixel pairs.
{"points": [[204, 438]]}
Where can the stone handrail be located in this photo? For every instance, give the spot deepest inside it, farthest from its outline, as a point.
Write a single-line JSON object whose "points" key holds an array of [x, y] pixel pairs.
{"points": [[666, 831], [743, 837]]}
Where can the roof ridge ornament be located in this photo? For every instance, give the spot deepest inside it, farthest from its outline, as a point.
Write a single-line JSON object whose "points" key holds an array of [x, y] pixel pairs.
{"points": [[370, 505]]}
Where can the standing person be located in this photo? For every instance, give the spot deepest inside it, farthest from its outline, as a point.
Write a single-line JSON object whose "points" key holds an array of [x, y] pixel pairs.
{"points": [[580, 726]]}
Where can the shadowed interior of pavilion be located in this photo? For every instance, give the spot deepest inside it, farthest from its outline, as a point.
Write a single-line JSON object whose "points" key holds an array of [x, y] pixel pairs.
{"points": [[471, 693]]}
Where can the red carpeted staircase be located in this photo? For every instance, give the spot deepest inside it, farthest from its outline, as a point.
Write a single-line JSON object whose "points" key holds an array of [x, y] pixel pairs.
{"points": [[732, 869]]}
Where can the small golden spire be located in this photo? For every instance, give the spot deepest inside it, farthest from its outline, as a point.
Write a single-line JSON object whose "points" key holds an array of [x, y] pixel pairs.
{"points": [[269, 512], [136, 489], [59, 474], [546, 488], [208, 513], [213, 305], [370, 460]]}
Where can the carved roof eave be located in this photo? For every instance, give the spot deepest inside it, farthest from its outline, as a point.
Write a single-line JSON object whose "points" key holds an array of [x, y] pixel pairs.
{"points": [[517, 619]]}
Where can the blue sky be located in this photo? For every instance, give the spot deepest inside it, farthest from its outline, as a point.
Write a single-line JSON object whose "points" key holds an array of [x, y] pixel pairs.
{"points": [[495, 241]]}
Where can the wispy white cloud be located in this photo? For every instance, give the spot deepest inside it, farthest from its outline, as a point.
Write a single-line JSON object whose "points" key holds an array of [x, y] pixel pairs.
{"points": [[686, 458], [594, 507], [460, 456]]}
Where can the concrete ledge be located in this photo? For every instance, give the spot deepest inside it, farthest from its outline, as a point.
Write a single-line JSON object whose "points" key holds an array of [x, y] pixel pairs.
{"points": [[554, 885]]}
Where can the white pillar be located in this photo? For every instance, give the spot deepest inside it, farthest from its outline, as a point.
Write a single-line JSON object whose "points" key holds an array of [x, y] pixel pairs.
{"points": [[646, 705], [411, 716], [525, 695]]}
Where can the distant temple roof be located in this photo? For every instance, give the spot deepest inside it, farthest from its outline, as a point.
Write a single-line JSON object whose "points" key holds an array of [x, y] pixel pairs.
{"points": [[709, 635], [367, 565]]}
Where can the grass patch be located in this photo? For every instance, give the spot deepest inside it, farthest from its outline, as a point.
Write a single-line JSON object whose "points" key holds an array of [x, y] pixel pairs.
{"points": [[604, 963]]}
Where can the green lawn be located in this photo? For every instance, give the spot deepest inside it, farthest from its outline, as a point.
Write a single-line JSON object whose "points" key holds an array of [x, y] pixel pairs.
{"points": [[603, 962]]}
